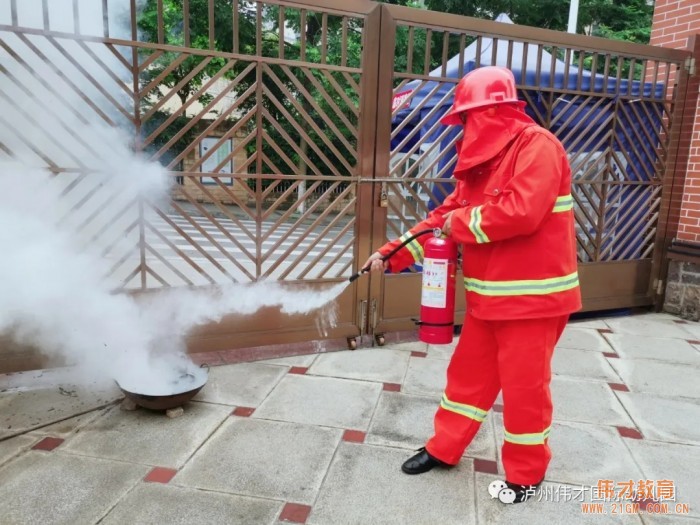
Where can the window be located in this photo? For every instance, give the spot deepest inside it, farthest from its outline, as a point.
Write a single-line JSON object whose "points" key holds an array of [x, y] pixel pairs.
{"points": [[221, 158]]}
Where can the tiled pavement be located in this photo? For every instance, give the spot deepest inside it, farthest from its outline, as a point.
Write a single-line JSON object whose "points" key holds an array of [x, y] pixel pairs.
{"points": [[319, 439]]}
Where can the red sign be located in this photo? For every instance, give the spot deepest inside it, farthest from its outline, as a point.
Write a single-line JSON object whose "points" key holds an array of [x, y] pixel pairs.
{"points": [[399, 100]]}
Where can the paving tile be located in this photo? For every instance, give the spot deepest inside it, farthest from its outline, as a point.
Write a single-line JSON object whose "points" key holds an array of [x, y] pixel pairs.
{"points": [[160, 475], [630, 433], [587, 402], [12, 447], [425, 376], [244, 384], [383, 365], [661, 316], [670, 519], [441, 351], [594, 324], [22, 411], [147, 437], [402, 420], [582, 339], [354, 436], [52, 378], [411, 346], [62, 489], [284, 461], [678, 463], [48, 444], [631, 346], [543, 508], [642, 375], [662, 418], [619, 387], [326, 401], [407, 422], [582, 363], [152, 503], [299, 370], [693, 328], [583, 453], [485, 465], [243, 411], [365, 485], [71, 425], [295, 513], [646, 325], [297, 360]]}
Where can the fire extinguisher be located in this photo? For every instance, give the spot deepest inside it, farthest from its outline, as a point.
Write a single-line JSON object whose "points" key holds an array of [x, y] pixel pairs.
{"points": [[436, 323], [437, 305]]}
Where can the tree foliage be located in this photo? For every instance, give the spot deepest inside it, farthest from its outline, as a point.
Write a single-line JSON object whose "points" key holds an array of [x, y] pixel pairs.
{"points": [[618, 19]]}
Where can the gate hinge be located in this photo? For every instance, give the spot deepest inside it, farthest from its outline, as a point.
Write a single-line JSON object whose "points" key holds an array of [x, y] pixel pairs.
{"points": [[689, 65], [362, 322], [373, 315], [383, 197], [659, 286]]}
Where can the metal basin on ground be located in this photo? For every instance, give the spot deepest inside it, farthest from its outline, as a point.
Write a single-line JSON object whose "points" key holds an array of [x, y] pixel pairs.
{"points": [[184, 388]]}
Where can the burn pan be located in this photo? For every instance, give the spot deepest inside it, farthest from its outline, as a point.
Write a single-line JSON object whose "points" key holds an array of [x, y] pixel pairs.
{"points": [[183, 391]]}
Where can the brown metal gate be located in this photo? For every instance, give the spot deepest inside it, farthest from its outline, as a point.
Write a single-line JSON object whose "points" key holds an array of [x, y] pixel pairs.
{"points": [[284, 159], [611, 104]]}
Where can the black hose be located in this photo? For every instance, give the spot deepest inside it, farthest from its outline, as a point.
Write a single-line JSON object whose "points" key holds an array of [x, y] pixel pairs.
{"points": [[393, 252]]}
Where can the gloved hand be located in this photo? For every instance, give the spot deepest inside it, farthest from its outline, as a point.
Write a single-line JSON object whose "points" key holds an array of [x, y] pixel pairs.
{"points": [[447, 227], [375, 263]]}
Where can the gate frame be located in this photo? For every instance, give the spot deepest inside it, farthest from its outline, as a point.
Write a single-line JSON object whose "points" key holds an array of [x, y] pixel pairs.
{"points": [[391, 293]]}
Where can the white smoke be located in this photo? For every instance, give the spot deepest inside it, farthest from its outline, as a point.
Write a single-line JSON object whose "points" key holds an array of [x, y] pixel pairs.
{"points": [[61, 233]]}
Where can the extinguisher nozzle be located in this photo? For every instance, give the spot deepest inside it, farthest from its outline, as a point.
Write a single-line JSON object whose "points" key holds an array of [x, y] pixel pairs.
{"points": [[358, 274]]}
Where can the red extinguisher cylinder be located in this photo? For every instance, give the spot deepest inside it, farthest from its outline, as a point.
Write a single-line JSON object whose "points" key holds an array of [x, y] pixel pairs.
{"points": [[437, 312]]}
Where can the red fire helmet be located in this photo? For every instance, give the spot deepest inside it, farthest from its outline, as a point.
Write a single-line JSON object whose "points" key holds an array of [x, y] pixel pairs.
{"points": [[485, 86]]}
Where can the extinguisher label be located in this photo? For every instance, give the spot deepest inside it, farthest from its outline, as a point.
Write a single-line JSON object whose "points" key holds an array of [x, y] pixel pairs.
{"points": [[434, 283]]}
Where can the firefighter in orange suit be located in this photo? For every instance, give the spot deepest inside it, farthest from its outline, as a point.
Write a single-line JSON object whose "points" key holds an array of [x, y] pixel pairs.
{"points": [[512, 212]]}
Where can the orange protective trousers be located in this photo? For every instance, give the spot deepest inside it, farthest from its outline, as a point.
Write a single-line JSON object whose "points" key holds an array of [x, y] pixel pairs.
{"points": [[513, 356]]}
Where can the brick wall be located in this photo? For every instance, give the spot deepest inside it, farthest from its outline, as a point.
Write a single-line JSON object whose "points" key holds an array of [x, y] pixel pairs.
{"points": [[674, 23]]}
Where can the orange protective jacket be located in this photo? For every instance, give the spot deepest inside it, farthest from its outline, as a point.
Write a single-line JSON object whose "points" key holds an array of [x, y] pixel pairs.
{"points": [[513, 215]]}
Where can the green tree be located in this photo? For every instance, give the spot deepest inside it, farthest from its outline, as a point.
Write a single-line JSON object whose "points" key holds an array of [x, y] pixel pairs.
{"points": [[628, 20], [619, 19]]}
